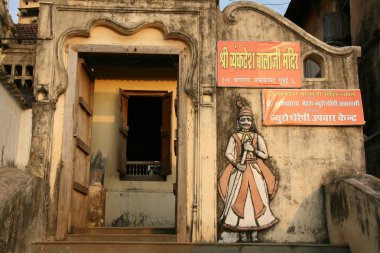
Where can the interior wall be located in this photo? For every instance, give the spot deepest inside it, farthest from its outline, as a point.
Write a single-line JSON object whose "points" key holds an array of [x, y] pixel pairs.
{"points": [[120, 194], [16, 131]]}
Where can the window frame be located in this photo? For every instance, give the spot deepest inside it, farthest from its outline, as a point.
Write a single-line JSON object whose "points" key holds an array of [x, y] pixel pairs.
{"points": [[122, 151], [320, 61]]}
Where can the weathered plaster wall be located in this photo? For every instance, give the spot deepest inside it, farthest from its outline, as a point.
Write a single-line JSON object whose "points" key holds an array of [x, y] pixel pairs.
{"points": [[326, 151], [9, 135], [22, 210], [353, 212], [303, 158], [365, 32], [15, 132], [55, 165], [16, 122]]}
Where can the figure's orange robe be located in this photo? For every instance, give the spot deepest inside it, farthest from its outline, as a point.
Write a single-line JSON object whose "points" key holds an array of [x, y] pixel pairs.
{"points": [[248, 182]]}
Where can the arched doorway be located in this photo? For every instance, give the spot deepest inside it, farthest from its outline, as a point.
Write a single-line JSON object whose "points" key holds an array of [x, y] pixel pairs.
{"points": [[111, 87]]}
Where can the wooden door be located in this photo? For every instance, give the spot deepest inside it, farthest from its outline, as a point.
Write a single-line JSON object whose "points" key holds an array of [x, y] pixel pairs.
{"points": [[123, 132], [82, 150], [76, 143], [82, 145], [166, 130]]}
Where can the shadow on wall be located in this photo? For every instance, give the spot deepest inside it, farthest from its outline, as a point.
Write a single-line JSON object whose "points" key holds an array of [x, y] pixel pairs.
{"points": [[6, 163], [372, 151], [313, 207]]}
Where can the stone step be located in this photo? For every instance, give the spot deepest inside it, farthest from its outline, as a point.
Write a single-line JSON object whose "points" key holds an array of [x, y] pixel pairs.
{"points": [[125, 230], [121, 237], [159, 247]]}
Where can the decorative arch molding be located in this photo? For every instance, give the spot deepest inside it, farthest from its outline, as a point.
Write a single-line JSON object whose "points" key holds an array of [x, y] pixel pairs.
{"points": [[229, 18], [314, 55], [189, 85]]}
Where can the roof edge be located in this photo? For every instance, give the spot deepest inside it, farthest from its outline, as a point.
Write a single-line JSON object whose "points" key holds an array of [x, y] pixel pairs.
{"points": [[230, 18]]}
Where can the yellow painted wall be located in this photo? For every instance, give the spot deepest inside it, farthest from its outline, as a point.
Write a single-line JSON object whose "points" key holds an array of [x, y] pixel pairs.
{"points": [[105, 132], [103, 35]]}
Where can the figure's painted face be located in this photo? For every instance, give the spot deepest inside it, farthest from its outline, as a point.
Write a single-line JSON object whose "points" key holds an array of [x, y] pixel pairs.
{"points": [[245, 122]]}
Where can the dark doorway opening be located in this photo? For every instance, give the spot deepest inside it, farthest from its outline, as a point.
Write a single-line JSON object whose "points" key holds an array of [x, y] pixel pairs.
{"points": [[144, 136]]}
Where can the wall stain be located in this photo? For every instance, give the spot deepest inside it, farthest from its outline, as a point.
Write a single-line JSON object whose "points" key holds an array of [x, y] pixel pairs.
{"points": [[338, 205], [138, 219], [362, 212], [2, 156], [291, 230]]}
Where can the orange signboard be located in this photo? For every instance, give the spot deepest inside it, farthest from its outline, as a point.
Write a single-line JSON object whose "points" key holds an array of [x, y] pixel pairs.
{"points": [[312, 107], [259, 64]]}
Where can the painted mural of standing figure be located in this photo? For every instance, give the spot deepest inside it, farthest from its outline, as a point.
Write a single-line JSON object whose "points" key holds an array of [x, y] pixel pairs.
{"points": [[246, 185]]}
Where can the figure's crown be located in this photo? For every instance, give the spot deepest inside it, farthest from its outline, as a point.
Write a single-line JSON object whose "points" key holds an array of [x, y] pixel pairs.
{"points": [[244, 109]]}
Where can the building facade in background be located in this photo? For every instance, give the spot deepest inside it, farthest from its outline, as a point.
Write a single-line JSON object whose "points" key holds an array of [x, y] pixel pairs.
{"points": [[28, 11], [344, 23]]}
